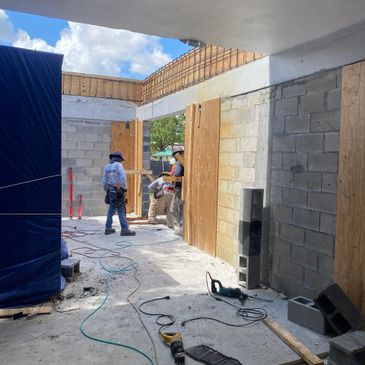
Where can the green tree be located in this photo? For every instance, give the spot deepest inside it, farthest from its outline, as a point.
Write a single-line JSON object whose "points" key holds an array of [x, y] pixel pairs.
{"points": [[167, 131]]}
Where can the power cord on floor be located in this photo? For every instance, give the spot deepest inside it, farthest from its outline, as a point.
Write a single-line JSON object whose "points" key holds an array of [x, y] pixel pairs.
{"points": [[132, 265], [252, 316]]}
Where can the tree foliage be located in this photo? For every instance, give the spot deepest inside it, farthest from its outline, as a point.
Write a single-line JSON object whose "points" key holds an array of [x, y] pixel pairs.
{"points": [[167, 131]]}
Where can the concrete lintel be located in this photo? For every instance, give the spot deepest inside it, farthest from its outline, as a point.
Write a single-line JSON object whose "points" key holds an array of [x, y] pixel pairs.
{"points": [[85, 107]]}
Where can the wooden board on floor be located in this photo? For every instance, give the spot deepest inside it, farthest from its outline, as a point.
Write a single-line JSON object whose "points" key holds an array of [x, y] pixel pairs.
{"points": [[201, 179], [37, 309], [308, 356], [350, 228]]}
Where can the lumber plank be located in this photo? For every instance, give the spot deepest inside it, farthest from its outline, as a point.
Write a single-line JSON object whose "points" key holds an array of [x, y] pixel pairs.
{"points": [[173, 178], [307, 355], [138, 172], [40, 309], [350, 229]]}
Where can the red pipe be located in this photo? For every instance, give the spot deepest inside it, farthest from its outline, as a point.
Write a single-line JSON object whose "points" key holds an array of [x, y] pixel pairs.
{"points": [[80, 206], [70, 180]]}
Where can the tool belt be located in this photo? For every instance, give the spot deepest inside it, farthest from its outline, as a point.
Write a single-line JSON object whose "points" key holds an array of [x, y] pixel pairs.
{"points": [[116, 196]]}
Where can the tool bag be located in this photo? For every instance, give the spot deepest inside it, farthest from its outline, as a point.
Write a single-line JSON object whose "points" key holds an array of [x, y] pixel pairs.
{"points": [[159, 193]]}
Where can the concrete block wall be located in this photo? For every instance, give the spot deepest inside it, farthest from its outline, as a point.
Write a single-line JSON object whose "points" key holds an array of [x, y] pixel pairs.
{"points": [[239, 159], [85, 148], [306, 124]]}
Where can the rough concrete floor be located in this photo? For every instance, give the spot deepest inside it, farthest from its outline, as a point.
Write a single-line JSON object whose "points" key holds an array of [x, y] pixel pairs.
{"points": [[175, 269]]}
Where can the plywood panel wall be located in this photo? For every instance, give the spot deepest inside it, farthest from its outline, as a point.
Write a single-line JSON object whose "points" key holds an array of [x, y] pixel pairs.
{"points": [[123, 139], [350, 227], [201, 179]]}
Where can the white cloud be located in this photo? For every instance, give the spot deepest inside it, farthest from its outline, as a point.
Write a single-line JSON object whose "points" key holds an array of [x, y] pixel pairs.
{"points": [[7, 33], [99, 50]]}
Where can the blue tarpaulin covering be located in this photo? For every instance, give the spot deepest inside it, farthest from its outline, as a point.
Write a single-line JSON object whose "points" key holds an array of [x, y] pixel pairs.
{"points": [[30, 176]]}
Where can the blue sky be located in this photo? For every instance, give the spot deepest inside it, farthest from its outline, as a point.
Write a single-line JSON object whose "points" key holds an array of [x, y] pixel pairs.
{"points": [[90, 49]]}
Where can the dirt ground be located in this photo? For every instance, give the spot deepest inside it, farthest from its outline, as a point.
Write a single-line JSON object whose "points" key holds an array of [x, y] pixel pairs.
{"points": [[164, 266]]}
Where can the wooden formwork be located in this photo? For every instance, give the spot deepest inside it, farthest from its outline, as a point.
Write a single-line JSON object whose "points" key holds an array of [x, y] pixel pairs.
{"points": [[101, 86]]}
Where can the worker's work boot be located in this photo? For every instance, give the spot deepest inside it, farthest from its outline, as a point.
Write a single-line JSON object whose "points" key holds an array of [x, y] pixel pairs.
{"points": [[127, 232], [109, 230]]}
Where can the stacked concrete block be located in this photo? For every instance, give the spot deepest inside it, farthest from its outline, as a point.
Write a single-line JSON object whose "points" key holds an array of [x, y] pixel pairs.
{"points": [[85, 148], [303, 311], [250, 235], [304, 169], [348, 349], [240, 163]]}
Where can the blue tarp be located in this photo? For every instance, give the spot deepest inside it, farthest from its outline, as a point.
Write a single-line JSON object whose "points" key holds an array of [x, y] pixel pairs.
{"points": [[30, 176]]}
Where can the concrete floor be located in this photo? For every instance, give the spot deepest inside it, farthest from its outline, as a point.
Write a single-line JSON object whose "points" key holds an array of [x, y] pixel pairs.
{"points": [[174, 269]]}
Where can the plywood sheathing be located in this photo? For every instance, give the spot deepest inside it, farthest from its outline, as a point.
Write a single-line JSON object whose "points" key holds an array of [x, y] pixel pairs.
{"points": [[350, 227], [201, 179], [127, 137]]}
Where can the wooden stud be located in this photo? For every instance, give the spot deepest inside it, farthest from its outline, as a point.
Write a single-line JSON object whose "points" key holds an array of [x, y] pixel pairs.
{"points": [[307, 355]]}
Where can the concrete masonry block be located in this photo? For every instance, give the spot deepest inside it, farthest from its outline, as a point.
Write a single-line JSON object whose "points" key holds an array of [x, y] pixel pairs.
{"points": [[325, 264], [332, 142], [303, 311], [281, 248], [294, 198], [323, 162], [334, 100], [309, 181], [76, 154], [294, 90], [326, 82], [281, 178], [306, 218], [70, 267], [279, 125], [339, 310], [316, 280], [284, 143], [281, 213], [348, 349], [277, 160], [322, 202], [325, 122], [297, 124], [329, 183], [286, 107], [320, 242], [290, 160], [312, 102], [304, 256], [312, 142], [291, 270], [327, 223], [292, 233], [249, 271]]}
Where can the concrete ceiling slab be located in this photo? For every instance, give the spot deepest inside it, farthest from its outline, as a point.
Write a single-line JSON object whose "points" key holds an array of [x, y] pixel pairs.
{"points": [[268, 26]]}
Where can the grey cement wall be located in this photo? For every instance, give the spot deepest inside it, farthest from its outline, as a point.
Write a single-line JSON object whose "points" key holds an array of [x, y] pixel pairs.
{"points": [[85, 148], [306, 122]]}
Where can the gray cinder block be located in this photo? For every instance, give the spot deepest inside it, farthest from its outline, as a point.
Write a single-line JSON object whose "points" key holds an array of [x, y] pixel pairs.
{"points": [[70, 267], [348, 349], [304, 312], [249, 271], [339, 310]]}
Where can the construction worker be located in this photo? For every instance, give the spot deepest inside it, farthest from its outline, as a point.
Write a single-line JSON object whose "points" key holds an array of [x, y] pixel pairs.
{"points": [[163, 192], [115, 186], [177, 202]]}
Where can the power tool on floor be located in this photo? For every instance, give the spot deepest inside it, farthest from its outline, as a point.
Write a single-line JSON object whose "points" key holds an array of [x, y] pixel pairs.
{"points": [[174, 341], [218, 289]]}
